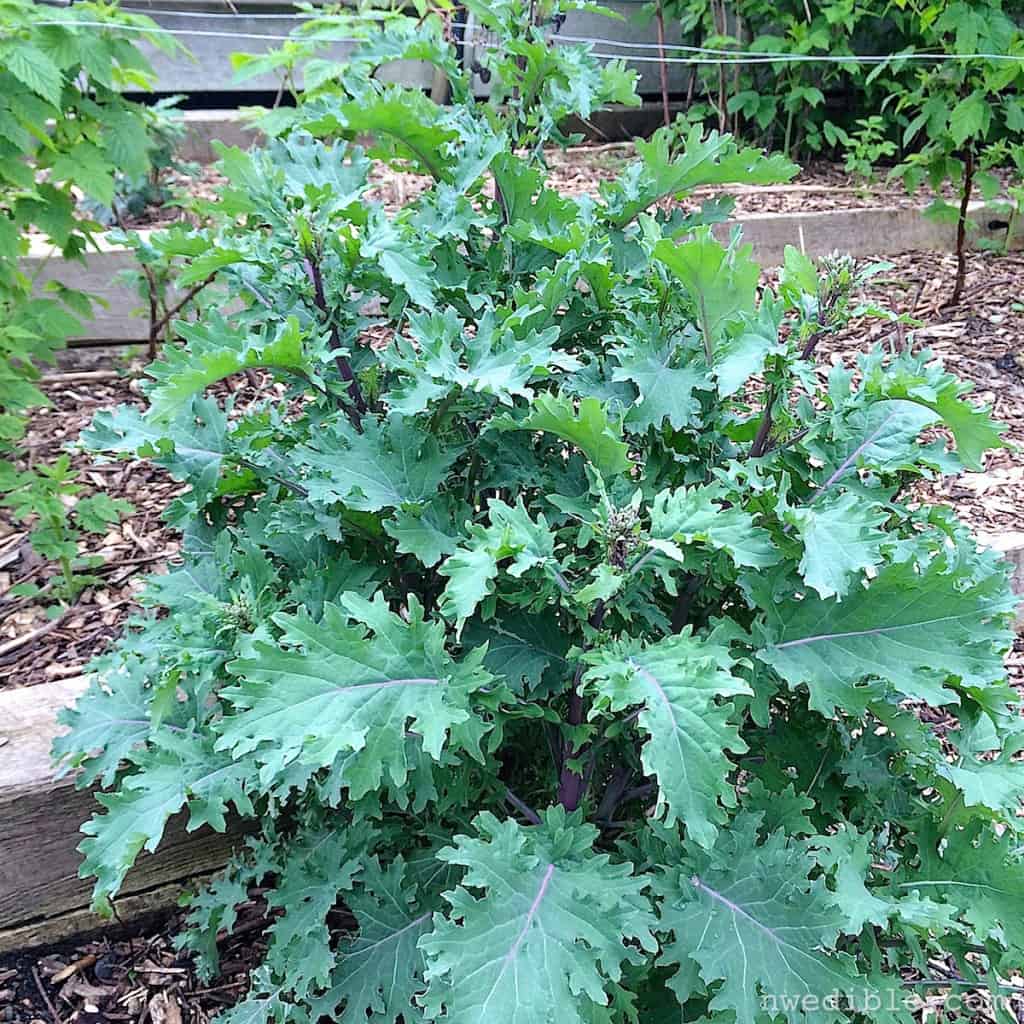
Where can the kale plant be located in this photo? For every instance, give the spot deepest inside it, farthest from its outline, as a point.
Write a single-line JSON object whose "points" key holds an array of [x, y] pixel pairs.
{"points": [[568, 642]]}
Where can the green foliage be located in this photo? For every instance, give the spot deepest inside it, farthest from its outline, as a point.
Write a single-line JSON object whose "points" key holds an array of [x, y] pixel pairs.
{"points": [[549, 693], [135, 189], [941, 122], [65, 129], [961, 114]]}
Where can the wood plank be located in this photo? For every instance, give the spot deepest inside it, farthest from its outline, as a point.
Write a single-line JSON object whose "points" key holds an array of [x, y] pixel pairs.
{"points": [[42, 815], [870, 232], [135, 913]]}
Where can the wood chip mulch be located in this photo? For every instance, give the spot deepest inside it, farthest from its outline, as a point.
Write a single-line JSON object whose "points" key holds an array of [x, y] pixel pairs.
{"points": [[141, 979], [35, 647]]}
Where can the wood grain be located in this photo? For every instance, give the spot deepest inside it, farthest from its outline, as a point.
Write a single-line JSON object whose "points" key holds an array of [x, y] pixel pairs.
{"points": [[41, 896]]}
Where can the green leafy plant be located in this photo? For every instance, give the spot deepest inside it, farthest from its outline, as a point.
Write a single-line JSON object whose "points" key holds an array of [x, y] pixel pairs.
{"points": [[568, 644], [865, 147], [47, 495], [65, 129], [961, 111], [135, 193], [777, 103]]}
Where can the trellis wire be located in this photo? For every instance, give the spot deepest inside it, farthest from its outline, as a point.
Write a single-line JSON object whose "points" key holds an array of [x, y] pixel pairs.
{"points": [[706, 55]]}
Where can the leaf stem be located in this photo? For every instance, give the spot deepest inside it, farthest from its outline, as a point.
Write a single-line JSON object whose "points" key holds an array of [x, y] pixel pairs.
{"points": [[312, 267], [522, 807]]}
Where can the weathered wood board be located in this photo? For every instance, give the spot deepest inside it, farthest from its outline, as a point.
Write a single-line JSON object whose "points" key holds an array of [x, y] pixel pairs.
{"points": [[42, 899]]}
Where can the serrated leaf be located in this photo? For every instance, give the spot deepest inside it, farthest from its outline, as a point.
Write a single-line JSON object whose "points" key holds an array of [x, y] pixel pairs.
{"points": [[520, 647], [664, 391], [493, 361], [917, 377], [380, 970], [755, 923], [191, 446], [721, 282], [741, 353], [913, 630], [970, 118], [88, 167], [429, 533], [350, 682], [308, 881], [105, 725], [181, 770], [982, 876], [714, 160], [547, 932], [847, 855], [882, 436], [587, 427], [511, 533], [841, 538], [34, 69], [699, 515], [390, 464], [214, 350], [403, 257], [677, 682], [96, 512]]}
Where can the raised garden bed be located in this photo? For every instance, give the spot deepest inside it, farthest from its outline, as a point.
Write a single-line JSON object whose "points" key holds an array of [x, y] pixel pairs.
{"points": [[982, 340], [861, 232], [42, 899]]}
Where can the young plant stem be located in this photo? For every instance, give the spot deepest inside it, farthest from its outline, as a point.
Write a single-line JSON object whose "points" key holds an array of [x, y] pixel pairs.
{"points": [[522, 807], [961, 226], [355, 392], [764, 430], [684, 602], [723, 114], [691, 83], [157, 328], [737, 117], [153, 292], [614, 791]]}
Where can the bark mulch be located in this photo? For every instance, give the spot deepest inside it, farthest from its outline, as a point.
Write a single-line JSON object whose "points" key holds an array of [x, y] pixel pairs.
{"points": [[819, 186], [141, 979], [580, 170], [33, 647]]}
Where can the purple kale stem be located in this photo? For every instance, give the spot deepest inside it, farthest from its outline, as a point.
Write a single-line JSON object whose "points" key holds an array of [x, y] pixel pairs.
{"points": [[572, 785], [344, 368]]}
